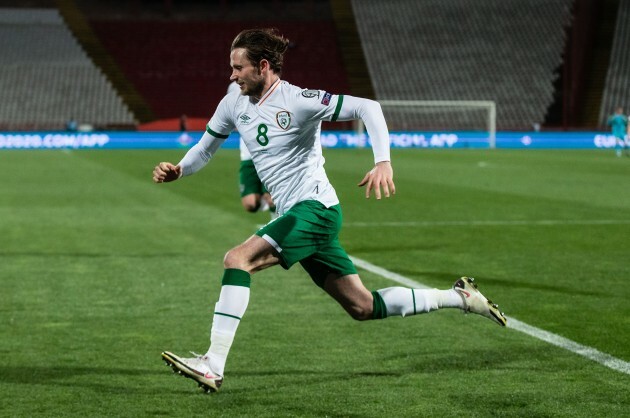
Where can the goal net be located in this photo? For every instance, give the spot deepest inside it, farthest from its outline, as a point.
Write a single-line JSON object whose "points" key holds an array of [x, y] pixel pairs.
{"points": [[440, 116]]}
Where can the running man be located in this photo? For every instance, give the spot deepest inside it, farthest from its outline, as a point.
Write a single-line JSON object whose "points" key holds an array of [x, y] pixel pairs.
{"points": [[280, 125]]}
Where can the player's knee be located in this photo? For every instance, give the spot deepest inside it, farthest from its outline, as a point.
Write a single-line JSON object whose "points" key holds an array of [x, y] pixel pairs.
{"points": [[360, 312], [232, 260], [251, 202], [251, 207]]}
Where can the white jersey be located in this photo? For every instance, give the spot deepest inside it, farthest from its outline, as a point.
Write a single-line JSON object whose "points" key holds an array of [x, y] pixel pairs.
{"points": [[282, 133], [245, 155]]}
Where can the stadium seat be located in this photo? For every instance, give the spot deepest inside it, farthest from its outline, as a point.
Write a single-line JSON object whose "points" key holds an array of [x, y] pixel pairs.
{"points": [[46, 78], [182, 67], [617, 88], [466, 50]]}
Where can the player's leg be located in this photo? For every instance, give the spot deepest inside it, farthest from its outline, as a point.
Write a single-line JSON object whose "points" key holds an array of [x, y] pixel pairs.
{"points": [[619, 144], [352, 295], [240, 262], [263, 250], [331, 268], [251, 202], [250, 187], [253, 255], [254, 196], [268, 202], [362, 304]]}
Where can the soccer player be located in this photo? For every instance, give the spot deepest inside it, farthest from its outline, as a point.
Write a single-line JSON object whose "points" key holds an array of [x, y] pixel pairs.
{"points": [[619, 124], [280, 124], [254, 196]]}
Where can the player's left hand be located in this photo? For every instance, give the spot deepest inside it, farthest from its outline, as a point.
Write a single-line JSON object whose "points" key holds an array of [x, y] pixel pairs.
{"points": [[382, 175]]}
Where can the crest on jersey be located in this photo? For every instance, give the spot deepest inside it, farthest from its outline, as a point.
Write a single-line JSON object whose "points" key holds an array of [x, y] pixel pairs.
{"points": [[310, 93], [283, 119]]}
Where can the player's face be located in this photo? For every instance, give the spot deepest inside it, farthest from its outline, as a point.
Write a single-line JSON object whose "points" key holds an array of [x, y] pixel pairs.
{"points": [[247, 75]]}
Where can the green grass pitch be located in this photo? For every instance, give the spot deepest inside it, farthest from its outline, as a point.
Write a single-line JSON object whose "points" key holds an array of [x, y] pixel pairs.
{"points": [[101, 270]]}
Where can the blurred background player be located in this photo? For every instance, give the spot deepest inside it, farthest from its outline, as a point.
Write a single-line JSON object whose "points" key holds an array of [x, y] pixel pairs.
{"points": [[619, 125], [72, 125], [254, 196], [183, 123]]}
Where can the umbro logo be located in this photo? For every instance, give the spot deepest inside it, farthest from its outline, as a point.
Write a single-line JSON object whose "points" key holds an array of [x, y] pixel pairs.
{"points": [[245, 119]]}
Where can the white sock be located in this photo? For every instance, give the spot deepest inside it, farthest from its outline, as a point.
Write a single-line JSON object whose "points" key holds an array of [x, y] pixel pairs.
{"points": [[228, 312], [401, 301], [219, 349]]}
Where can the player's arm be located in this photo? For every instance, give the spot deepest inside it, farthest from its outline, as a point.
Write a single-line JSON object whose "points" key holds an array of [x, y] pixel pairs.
{"points": [[370, 112], [200, 154], [195, 159]]}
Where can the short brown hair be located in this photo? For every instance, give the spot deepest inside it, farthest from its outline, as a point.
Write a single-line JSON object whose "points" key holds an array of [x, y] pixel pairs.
{"points": [[262, 44]]}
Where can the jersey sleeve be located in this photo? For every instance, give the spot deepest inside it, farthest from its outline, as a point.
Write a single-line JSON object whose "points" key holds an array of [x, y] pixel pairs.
{"points": [[344, 107], [222, 122], [317, 104], [217, 131]]}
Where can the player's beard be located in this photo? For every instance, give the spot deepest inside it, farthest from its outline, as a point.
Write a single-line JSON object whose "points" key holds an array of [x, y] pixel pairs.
{"points": [[254, 88]]}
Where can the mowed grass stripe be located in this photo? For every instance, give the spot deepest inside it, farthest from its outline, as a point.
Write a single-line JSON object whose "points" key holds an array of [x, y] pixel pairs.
{"points": [[545, 222]]}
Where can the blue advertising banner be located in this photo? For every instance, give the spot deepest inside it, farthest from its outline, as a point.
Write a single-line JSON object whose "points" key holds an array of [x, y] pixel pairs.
{"points": [[329, 139]]}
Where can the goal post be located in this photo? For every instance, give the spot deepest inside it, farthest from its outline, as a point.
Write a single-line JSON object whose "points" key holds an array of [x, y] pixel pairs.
{"points": [[440, 115]]}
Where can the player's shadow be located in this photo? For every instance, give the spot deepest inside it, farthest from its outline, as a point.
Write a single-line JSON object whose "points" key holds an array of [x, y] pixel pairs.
{"points": [[101, 379], [301, 372], [289, 378], [445, 361]]}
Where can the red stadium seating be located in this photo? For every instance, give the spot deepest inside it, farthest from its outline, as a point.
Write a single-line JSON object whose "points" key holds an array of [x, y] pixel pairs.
{"points": [[182, 67]]}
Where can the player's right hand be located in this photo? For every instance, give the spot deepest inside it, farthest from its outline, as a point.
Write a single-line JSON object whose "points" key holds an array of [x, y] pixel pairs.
{"points": [[165, 172], [381, 176]]}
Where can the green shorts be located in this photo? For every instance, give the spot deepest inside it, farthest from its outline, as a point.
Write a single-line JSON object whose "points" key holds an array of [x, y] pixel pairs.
{"points": [[248, 178], [309, 233]]}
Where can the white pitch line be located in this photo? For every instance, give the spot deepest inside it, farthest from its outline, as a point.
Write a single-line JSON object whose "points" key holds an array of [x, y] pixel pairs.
{"points": [[588, 352], [549, 337], [548, 222]]}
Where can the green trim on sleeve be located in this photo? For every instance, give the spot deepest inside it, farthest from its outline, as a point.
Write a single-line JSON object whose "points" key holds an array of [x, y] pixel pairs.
{"points": [[214, 134], [338, 108]]}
